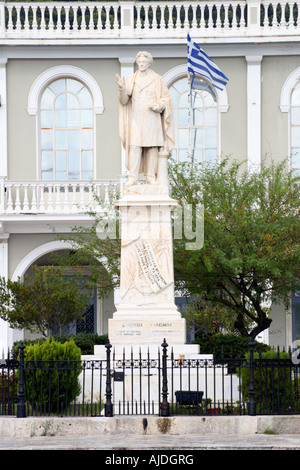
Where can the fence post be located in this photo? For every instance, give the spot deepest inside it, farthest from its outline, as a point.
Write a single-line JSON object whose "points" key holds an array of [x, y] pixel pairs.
{"points": [[108, 404], [164, 405], [251, 403], [21, 410]]}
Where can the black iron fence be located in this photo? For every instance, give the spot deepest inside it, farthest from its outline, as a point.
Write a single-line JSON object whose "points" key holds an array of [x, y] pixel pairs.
{"points": [[259, 383]]}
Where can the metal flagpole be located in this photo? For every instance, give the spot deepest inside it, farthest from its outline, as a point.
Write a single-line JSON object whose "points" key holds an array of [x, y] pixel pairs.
{"points": [[190, 112]]}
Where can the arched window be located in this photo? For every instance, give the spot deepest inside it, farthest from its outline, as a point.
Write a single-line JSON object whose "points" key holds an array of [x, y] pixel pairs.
{"points": [[66, 131], [200, 138], [295, 128]]}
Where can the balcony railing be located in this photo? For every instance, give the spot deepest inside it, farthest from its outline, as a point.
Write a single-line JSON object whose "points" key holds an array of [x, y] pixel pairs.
{"points": [[123, 20], [63, 197]]}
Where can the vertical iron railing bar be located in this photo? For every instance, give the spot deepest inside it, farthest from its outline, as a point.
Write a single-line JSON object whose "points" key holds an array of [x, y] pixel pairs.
{"points": [[267, 385], [108, 394], [206, 385], [124, 381], [278, 381], [189, 385], [2, 390], [83, 365], [231, 365], [92, 387], [165, 411], [214, 394], [296, 381], [294, 369], [285, 403], [100, 386], [291, 394], [148, 379], [197, 385], [34, 403], [76, 389], [272, 385], [21, 409], [131, 379], [252, 402], [41, 394], [180, 383], [68, 385], [64, 402], [172, 377], [14, 381], [223, 383], [159, 379], [260, 373], [292, 376], [240, 365], [140, 371], [50, 365]]}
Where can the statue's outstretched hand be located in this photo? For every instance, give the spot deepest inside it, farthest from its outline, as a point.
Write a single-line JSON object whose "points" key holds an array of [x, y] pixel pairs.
{"points": [[120, 81]]}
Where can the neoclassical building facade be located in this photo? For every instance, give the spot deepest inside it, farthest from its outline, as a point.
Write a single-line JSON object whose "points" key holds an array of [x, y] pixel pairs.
{"points": [[59, 137]]}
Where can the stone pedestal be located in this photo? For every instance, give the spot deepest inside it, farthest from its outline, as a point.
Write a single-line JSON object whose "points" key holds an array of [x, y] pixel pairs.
{"points": [[147, 312]]}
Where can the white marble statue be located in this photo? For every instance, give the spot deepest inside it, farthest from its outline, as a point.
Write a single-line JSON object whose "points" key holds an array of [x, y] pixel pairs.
{"points": [[145, 120]]}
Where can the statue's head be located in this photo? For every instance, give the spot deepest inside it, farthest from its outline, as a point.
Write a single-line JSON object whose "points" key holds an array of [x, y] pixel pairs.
{"points": [[144, 60]]}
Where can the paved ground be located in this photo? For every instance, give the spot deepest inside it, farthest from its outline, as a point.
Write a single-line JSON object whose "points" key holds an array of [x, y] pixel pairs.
{"points": [[187, 443]]}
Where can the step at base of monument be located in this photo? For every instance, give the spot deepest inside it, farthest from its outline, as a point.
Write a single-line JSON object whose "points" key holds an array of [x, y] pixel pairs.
{"points": [[180, 351]]}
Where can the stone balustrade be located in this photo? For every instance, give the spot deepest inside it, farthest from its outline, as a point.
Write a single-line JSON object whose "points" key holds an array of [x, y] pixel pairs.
{"points": [[48, 197], [123, 20]]}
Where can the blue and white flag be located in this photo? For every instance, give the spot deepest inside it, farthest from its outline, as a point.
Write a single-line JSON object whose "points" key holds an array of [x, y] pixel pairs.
{"points": [[201, 64]]}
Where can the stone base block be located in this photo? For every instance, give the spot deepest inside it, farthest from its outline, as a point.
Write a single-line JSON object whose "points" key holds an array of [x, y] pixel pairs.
{"points": [[137, 330]]}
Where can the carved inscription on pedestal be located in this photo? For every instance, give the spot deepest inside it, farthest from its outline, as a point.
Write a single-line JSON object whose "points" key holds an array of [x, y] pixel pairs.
{"points": [[149, 266]]}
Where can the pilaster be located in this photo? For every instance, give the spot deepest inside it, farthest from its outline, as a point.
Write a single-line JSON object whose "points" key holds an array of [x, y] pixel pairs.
{"points": [[3, 118], [254, 112], [5, 330]]}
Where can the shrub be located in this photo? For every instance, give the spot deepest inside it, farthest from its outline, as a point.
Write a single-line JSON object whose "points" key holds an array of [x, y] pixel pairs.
{"points": [[51, 374], [7, 390], [85, 341], [225, 346], [273, 383]]}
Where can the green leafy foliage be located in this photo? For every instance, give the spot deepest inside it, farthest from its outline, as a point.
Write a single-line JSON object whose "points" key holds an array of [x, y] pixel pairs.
{"points": [[273, 383], [227, 346], [84, 341], [45, 301], [51, 374], [251, 250], [96, 250]]}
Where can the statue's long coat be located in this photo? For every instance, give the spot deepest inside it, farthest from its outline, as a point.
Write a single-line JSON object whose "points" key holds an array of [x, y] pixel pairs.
{"points": [[139, 125]]}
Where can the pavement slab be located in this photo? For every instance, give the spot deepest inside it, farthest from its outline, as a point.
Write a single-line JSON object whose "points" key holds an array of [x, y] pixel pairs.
{"points": [[177, 443]]}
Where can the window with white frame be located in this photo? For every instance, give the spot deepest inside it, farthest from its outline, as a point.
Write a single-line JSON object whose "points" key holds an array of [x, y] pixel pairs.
{"points": [[295, 128], [66, 131], [200, 138]]}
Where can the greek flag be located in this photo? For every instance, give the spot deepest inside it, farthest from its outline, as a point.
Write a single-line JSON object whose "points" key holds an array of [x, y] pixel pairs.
{"points": [[200, 64]]}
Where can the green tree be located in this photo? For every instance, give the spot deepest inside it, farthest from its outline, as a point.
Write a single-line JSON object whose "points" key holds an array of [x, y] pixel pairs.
{"points": [[45, 301], [206, 319], [251, 251]]}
